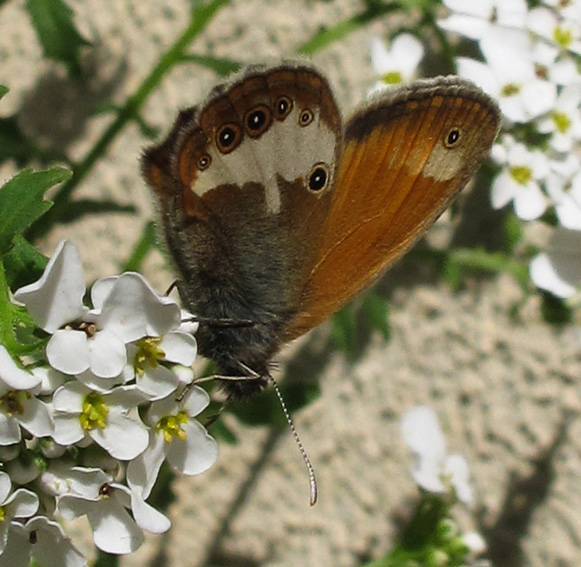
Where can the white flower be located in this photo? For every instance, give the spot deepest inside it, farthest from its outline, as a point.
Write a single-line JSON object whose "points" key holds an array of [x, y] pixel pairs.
{"points": [[152, 378], [564, 120], [126, 309], [20, 504], [557, 67], [475, 543], [435, 471], [509, 75], [564, 188], [44, 541], [475, 19], [564, 33], [18, 406], [559, 270], [519, 180], [129, 310], [105, 503], [104, 417], [57, 297], [399, 63], [176, 436]]}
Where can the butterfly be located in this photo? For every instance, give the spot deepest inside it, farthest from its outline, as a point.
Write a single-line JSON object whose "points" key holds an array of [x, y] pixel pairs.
{"points": [[275, 213]]}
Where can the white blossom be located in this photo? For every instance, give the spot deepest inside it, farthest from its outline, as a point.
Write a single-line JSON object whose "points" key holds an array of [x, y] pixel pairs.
{"points": [[434, 471], [519, 180], [19, 504], [106, 505], [18, 406], [509, 75], [174, 436], [398, 63], [559, 269], [81, 413]]}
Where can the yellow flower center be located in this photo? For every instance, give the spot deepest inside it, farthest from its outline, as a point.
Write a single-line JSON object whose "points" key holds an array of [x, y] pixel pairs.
{"points": [[392, 78], [562, 121], [171, 426], [95, 411], [510, 89], [563, 36], [148, 354], [521, 174]]}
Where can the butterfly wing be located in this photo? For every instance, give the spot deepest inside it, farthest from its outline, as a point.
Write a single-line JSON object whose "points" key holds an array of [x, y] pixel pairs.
{"points": [[244, 185], [405, 158]]}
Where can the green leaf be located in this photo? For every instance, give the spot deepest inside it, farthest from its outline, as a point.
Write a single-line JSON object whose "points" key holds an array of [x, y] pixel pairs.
{"points": [[3, 90], [22, 202], [480, 259], [53, 22], [142, 249], [377, 310], [555, 310], [344, 330], [513, 230], [24, 264], [17, 329]]}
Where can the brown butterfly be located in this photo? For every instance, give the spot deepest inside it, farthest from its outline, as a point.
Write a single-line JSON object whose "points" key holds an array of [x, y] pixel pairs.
{"points": [[277, 214]]}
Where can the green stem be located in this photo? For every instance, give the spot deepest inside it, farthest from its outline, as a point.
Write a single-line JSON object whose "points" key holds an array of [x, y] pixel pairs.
{"points": [[344, 28], [201, 15]]}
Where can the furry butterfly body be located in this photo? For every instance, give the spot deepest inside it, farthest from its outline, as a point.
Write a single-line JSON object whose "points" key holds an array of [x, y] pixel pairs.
{"points": [[275, 213]]}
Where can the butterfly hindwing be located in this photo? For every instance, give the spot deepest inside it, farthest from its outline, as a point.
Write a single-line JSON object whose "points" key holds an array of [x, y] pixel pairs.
{"points": [[405, 157]]}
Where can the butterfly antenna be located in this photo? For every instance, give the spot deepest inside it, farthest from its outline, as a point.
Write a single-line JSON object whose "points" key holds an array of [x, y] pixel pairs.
{"points": [[310, 469]]}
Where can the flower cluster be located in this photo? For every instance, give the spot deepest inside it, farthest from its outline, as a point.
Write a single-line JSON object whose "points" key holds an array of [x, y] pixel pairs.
{"points": [[87, 435], [531, 66]]}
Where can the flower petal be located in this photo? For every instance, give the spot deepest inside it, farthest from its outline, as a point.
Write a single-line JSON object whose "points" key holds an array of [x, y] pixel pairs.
{"points": [[67, 429], [17, 550], [9, 430], [36, 418], [179, 347], [52, 548], [13, 376], [122, 437], [57, 297], [68, 351], [196, 454], [133, 310], [421, 432], [22, 504], [114, 531], [157, 383], [143, 470], [147, 517], [107, 354]]}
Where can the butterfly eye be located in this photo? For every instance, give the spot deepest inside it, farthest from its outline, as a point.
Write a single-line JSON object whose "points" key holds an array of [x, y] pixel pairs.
{"points": [[228, 137], [257, 121], [204, 162], [283, 107], [318, 177], [452, 138], [306, 117]]}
